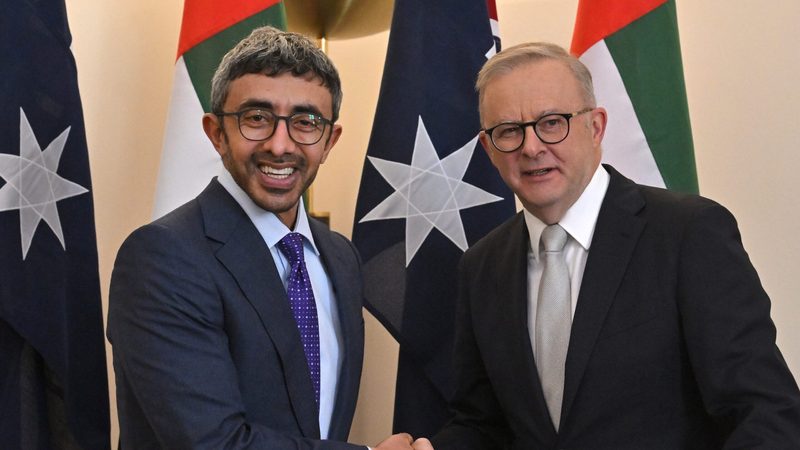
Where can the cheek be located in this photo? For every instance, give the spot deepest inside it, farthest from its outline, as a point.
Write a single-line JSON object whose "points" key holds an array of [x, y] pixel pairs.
{"points": [[506, 164], [508, 172], [239, 159], [229, 163], [229, 158], [316, 156], [324, 156]]}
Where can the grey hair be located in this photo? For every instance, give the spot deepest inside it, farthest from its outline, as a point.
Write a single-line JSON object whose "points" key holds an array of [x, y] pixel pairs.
{"points": [[273, 52], [513, 57]]}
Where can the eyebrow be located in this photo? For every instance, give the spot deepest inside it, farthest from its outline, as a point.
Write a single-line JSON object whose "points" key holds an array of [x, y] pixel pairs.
{"points": [[307, 108], [544, 113], [548, 112], [254, 103], [265, 104]]}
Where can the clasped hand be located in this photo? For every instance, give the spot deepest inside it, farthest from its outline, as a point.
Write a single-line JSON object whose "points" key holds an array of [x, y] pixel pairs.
{"points": [[404, 441]]}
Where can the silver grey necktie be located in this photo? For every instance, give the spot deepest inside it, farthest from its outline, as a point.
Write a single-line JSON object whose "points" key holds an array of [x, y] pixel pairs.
{"points": [[553, 320]]}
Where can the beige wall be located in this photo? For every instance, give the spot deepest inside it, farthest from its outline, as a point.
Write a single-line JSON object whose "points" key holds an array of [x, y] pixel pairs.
{"points": [[740, 65]]}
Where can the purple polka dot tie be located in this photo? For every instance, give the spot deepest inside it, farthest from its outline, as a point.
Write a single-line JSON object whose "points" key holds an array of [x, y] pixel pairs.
{"points": [[301, 299]]}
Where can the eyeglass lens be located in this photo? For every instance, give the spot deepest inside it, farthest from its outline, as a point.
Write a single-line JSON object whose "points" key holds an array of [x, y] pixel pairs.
{"points": [[259, 125], [550, 129]]}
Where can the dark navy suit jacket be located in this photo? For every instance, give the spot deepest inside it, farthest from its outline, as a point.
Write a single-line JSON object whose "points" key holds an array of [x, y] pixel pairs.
{"points": [[206, 351]]}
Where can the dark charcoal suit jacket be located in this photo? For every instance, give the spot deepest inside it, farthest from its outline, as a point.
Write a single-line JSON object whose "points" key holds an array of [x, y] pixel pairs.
{"points": [[206, 351], [672, 345]]}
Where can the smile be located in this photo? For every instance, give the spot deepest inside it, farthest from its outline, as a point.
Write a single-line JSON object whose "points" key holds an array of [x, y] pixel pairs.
{"points": [[279, 174], [539, 172]]}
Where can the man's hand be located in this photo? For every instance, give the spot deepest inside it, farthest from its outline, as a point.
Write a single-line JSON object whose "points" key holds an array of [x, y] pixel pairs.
{"points": [[401, 441], [404, 441], [422, 444]]}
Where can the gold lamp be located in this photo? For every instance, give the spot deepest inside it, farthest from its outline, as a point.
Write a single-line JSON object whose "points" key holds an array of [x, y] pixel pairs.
{"points": [[336, 19]]}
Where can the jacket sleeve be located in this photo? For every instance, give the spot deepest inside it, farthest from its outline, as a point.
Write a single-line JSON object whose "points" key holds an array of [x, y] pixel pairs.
{"points": [[744, 381]]}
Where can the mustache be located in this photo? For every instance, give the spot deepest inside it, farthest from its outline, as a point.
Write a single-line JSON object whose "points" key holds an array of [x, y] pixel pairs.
{"points": [[269, 158]]}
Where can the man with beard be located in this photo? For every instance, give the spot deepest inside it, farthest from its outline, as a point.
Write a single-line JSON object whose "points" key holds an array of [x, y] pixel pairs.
{"points": [[236, 319]]}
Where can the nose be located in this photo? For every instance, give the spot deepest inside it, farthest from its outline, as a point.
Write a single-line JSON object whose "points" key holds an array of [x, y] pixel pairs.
{"points": [[532, 146], [280, 142]]}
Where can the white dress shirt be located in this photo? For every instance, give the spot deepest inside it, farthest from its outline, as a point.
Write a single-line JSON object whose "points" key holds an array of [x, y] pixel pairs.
{"points": [[579, 223], [272, 230]]}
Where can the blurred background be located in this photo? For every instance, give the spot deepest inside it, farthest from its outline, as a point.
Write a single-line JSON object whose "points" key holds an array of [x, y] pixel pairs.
{"points": [[740, 68]]}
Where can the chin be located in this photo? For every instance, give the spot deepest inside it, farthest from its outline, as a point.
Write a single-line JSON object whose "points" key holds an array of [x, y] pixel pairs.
{"points": [[274, 202], [280, 206]]}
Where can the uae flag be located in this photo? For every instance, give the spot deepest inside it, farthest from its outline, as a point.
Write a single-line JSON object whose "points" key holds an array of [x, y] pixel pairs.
{"points": [[634, 54], [53, 388], [428, 191], [210, 28]]}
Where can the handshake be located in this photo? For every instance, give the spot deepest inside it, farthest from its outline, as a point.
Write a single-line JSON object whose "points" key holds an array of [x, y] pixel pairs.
{"points": [[404, 441]]}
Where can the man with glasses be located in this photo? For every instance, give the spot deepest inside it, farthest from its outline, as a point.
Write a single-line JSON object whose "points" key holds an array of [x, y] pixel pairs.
{"points": [[606, 315], [236, 319]]}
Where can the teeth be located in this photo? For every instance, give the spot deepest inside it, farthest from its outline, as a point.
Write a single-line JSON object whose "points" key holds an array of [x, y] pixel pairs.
{"points": [[540, 171], [277, 173]]}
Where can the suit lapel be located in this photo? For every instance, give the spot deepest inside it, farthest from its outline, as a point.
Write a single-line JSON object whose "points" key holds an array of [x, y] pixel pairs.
{"points": [[242, 251], [616, 233], [511, 258], [349, 303]]}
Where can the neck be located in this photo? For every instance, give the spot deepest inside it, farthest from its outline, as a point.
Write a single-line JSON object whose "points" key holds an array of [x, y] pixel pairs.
{"points": [[289, 217], [548, 216]]}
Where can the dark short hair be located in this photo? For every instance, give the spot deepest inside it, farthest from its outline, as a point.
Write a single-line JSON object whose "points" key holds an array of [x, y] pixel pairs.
{"points": [[273, 52]]}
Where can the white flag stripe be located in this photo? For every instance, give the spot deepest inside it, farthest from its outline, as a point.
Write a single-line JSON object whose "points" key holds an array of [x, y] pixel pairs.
{"points": [[188, 160], [624, 145]]}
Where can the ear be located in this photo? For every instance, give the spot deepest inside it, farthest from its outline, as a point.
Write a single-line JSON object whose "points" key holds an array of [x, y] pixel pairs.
{"points": [[599, 122], [212, 125], [336, 132], [488, 147]]}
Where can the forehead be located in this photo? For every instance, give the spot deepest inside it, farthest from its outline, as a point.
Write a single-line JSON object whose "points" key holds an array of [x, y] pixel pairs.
{"points": [[532, 89], [284, 91]]}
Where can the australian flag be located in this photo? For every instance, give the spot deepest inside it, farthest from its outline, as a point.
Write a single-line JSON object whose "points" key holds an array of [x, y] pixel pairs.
{"points": [[428, 191], [53, 388]]}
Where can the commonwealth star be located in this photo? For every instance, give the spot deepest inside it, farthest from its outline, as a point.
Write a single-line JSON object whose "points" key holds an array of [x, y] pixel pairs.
{"points": [[430, 193], [33, 185]]}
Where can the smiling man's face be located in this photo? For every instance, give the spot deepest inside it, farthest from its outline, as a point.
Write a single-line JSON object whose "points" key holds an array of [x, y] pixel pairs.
{"points": [[274, 172]]}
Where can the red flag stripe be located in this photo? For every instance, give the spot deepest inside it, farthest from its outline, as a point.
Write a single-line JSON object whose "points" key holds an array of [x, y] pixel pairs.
{"points": [[598, 19], [490, 4], [205, 18]]}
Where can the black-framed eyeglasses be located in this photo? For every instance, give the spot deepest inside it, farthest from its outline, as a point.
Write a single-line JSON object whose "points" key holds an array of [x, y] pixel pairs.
{"points": [[550, 129], [260, 124]]}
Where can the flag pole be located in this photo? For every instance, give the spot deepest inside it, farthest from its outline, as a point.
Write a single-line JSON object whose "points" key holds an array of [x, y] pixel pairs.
{"points": [[335, 19], [308, 195]]}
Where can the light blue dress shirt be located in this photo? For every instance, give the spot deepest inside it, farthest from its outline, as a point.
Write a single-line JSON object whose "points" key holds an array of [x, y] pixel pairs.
{"points": [[272, 230]]}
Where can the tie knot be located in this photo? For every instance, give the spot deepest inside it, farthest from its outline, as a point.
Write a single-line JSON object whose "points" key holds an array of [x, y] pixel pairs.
{"points": [[554, 238], [292, 247]]}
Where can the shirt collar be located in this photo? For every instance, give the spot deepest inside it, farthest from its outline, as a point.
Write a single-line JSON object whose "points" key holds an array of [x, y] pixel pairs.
{"points": [[580, 219], [270, 227]]}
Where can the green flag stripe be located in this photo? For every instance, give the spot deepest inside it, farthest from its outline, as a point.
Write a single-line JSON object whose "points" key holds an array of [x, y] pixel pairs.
{"points": [[202, 60], [647, 55]]}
